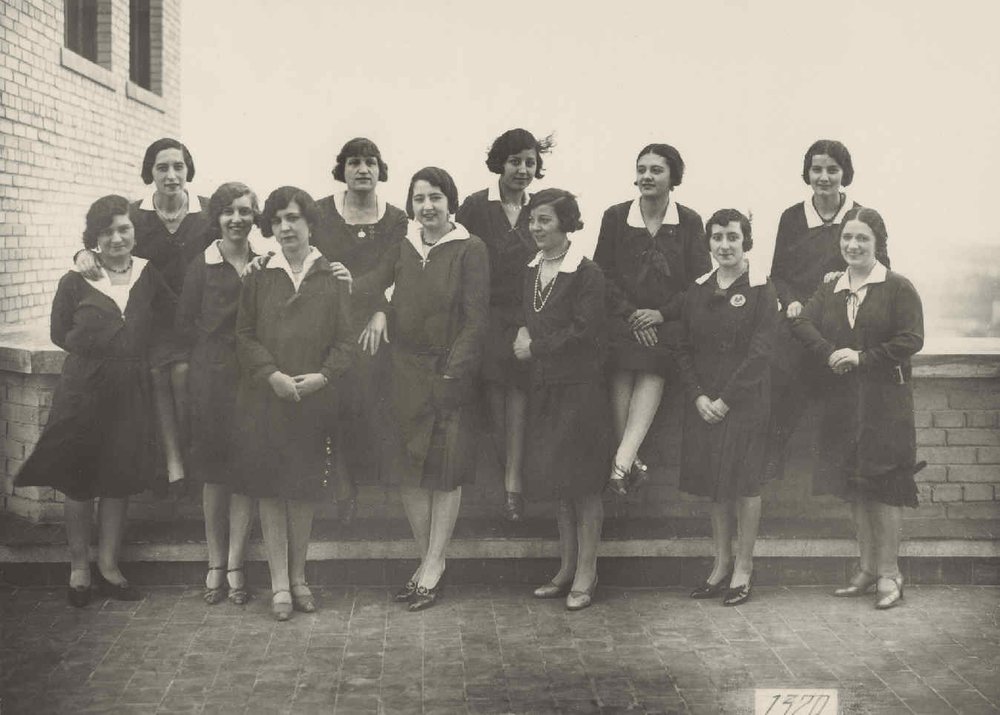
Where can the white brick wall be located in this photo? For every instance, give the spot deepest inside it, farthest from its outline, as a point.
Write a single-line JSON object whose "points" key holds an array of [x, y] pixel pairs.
{"points": [[65, 140]]}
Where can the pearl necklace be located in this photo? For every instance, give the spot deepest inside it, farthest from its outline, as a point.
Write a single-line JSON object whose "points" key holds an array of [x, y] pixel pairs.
{"points": [[175, 217], [542, 293]]}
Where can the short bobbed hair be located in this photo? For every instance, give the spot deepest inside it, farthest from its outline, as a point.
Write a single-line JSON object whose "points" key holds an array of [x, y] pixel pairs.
{"points": [[280, 199], [226, 194], [155, 148], [724, 217], [873, 219], [836, 151], [563, 203], [359, 146], [514, 141], [435, 177], [672, 157], [100, 215]]}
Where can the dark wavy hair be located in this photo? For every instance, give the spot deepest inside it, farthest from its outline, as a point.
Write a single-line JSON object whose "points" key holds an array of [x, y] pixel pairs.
{"points": [[723, 217], [873, 219], [435, 177], [836, 151], [672, 157], [280, 199], [563, 203], [100, 215], [226, 194], [514, 141], [155, 148], [359, 146]]}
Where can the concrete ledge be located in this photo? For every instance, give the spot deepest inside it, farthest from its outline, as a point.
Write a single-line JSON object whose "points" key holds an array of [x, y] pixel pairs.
{"points": [[144, 96], [82, 66]]}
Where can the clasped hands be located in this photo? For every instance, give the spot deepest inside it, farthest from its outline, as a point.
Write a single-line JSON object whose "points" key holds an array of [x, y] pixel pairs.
{"points": [[294, 387], [712, 411], [643, 324], [843, 360], [522, 344]]}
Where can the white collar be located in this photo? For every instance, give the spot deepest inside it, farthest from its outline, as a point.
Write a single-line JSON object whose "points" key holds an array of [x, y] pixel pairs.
{"points": [[279, 261], [340, 197], [213, 254], [813, 219], [670, 218], [459, 233], [493, 194], [146, 202], [103, 283], [574, 255], [756, 278], [878, 274]]}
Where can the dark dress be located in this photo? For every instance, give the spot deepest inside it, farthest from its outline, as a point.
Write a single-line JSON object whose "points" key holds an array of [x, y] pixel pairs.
{"points": [[510, 249], [646, 271], [362, 390], [206, 323], [867, 440], [723, 352], [170, 254], [437, 324], [568, 438], [101, 437], [285, 447]]}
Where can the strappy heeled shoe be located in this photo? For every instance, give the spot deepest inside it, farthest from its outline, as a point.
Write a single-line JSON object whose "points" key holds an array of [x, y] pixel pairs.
{"points": [[302, 598], [404, 594], [888, 599], [426, 597], [618, 483], [513, 508], [578, 600], [711, 590], [238, 595], [553, 590], [215, 595], [638, 475], [282, 609], [738, 595], [861, 582]]}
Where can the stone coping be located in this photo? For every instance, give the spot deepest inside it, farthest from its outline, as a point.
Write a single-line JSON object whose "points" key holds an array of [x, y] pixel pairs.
{"points": [[25, 348]]}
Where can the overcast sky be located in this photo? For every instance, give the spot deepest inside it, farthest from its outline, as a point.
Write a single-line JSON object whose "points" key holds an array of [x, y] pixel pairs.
{"points": [[271, 91]]}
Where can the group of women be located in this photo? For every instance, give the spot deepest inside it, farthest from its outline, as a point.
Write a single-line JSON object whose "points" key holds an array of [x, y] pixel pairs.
{"points": [[267, 378]]}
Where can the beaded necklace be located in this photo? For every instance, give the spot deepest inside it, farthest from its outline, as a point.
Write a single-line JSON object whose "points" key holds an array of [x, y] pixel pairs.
{"points": [[542, 293]]}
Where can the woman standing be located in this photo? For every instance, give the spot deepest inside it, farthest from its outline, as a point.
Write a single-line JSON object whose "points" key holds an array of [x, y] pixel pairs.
{"points": [[294, 344], [651, 249], [206, 321], [728, 321], [437, 322], [562, 342], [170, 230], [864, 328], [806, 250], [498, 216], [100, 440], [356, 228]]}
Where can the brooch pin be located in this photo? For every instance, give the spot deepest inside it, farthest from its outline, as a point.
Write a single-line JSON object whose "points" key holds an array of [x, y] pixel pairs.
{"points": [[738, 300]]}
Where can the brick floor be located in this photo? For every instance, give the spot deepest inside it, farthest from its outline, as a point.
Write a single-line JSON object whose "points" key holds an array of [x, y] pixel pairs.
{"points": [[496, 650]]}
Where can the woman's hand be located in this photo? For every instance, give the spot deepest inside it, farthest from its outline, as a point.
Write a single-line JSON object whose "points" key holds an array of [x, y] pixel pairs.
{"points": [[86, 264], [522, 344], [832, 276], [646, 336], [343, 273], [283, 386], [645, 318], [309, 383], [793, 310], [843, 360], [376, 332], [712, 411], [257, 264]]}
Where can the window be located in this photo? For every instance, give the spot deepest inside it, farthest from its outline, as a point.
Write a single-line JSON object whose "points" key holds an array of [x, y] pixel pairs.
{"points": [[146, 44], [88, 30]]}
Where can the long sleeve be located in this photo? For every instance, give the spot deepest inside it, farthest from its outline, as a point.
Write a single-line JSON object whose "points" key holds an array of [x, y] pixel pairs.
{"points": [[779, 262], [588, 318], [190, 302], [343, 352], [63, 307], [698, 262], [370, 288], [908, 330], [684, 353], [604, 255], [255, 359], [466, 351], [806, 327], [756, 365]]}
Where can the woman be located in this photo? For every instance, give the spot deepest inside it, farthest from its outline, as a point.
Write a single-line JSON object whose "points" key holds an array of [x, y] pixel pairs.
{"points": [[100, 440], [806, 251], [562, 342], [498, 215], [294, 343], [651, 249], [170, 230], [437, 322], [206, 322], [356, 228], [728, 321], [864, 328]]}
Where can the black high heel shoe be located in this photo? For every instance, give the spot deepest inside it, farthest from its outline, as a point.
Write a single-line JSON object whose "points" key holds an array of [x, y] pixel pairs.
{"points": [[711, 590], [888, 599], [404, 594], [117, 592], [738, 595], [426, 597], [78, 596]]}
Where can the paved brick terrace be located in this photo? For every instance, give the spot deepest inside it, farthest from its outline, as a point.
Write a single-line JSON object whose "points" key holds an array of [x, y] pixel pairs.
{"points": [[496, 650]]}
